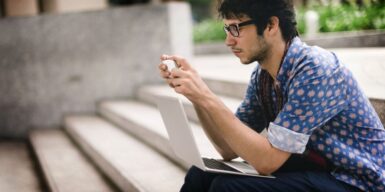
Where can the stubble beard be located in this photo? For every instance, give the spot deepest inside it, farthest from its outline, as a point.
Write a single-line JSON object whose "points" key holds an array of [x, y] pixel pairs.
{"points": [[261, 52]]}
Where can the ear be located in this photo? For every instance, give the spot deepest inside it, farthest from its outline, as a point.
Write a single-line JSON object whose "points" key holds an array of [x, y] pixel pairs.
{"points": [[272, 26]]}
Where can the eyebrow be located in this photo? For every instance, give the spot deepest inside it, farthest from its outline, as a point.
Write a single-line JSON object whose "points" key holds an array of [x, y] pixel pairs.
{"points": [[232, 23]]}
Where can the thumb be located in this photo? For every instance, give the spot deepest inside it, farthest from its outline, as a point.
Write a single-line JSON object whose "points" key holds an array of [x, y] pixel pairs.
{"points": [[181, 62]]}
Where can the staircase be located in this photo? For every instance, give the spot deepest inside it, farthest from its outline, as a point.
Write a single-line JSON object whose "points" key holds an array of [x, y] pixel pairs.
{"points": [[124, 146]]}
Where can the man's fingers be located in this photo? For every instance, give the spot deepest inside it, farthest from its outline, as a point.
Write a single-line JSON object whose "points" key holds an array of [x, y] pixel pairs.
{"points": [[177, 82], [164, 57], [171, 83], [180, 62], [162, 67], [174, 76], [165, 74]]}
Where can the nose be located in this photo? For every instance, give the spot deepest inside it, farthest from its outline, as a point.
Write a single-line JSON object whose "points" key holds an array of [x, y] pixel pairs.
{"points": [[230, 40]]}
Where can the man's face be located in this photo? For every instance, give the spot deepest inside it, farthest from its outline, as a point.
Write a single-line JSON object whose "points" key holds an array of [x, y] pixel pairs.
{"points": [[248, 46]]}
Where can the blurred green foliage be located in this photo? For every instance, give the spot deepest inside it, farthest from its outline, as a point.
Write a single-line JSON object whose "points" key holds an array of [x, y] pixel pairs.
{"points": [[351, 17], [331, 19], [209, 30]]}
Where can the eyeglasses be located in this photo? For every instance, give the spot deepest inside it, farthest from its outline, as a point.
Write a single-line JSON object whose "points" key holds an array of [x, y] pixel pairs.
{"points": [[233, 29]]}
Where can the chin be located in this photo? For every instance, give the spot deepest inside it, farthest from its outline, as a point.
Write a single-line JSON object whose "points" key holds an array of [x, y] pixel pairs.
{"points": [[245, 61]]}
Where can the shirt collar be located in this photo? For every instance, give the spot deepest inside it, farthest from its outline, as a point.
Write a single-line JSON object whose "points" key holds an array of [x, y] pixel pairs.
{"points": [[288, 61]]}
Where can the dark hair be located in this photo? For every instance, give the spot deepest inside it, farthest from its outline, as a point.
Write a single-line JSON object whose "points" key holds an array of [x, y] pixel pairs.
{"points": [[260, 11]]}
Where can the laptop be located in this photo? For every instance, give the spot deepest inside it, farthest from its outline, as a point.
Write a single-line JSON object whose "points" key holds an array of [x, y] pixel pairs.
{"points": [[183, 143]]}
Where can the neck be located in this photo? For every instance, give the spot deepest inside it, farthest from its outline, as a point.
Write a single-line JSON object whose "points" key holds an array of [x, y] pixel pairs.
{"points": [[272, 64]]}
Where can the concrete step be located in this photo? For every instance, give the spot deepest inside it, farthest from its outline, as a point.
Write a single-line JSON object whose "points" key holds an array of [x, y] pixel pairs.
{"points": [[130, 164], [149, 94], [16, 168], [64, 167], [144, 122]]}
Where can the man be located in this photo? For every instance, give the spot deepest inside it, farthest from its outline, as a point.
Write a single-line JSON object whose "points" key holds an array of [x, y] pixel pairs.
{"points": [[323, 134]]}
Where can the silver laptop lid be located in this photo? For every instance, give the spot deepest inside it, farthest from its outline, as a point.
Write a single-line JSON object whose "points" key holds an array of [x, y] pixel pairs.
{"points": [[179, 131]]}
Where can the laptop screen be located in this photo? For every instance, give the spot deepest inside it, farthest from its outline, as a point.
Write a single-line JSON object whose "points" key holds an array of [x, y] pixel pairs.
{"points": [[179, 131]]}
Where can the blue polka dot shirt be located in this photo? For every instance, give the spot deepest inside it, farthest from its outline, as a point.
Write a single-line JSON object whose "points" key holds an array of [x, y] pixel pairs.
{"points": [[324, 110]]}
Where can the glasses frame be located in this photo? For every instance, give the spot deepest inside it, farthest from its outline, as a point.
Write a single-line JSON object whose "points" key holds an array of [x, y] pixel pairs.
{"points": [[233, 29]]}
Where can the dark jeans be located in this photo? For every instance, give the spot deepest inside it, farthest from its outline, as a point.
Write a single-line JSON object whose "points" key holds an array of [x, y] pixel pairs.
{"points": [[301, 181]]}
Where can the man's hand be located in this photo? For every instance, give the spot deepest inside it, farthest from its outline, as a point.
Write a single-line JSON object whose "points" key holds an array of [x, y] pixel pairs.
{"points": [[185, 79], [164, 70]]}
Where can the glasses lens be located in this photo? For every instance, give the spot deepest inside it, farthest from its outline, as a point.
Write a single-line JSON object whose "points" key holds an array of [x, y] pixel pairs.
{"points": [[233, 29]]}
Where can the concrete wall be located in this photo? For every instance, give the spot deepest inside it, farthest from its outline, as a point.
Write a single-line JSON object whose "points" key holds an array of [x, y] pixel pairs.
{"points": [[52, 65]]}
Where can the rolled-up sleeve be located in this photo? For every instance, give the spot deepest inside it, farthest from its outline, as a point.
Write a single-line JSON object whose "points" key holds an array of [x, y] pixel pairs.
{"points": [[286, 139]]}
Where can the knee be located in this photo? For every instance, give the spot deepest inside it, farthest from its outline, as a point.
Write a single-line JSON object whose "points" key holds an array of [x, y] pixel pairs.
{"points": [[194, 173], [193, 180], [222, 184], [231, 183]]}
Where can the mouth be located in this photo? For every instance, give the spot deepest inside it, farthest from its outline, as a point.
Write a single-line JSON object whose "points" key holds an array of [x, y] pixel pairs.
{"points": [[236, 51]]}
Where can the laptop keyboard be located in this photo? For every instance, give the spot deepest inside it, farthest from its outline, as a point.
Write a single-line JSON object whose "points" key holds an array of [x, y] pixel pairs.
{"points": [[214, 164]]}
